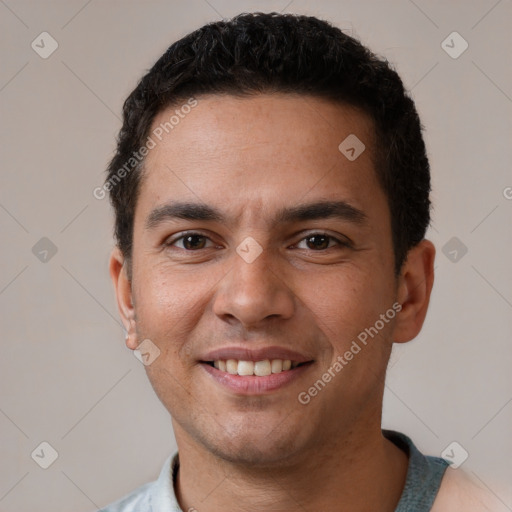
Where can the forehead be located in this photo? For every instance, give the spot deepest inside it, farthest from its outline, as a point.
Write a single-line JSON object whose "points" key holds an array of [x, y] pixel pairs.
{"points": [[259, 151]]}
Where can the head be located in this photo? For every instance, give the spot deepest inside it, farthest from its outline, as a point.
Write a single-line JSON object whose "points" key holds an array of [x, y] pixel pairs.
{"points": [[233, 143]]}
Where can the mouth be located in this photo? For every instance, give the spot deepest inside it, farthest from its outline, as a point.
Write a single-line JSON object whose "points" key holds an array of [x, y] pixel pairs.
{"points": [[244, 370], [244, 377], [262, 368]]}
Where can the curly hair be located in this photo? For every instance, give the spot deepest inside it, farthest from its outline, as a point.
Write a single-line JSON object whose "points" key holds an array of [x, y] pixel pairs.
{"points": [[256, 53]]}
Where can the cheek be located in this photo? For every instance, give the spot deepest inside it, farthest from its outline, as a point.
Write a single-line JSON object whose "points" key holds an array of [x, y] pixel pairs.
{"points": [[346, 301], [166, 313], [167, 308]]}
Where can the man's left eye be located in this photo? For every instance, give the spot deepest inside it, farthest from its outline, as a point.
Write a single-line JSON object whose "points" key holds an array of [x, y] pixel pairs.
{"points": [[319, 242]]}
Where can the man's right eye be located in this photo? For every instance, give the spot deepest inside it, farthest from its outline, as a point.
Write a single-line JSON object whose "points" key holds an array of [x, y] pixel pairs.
{"points": [[190, 242]]}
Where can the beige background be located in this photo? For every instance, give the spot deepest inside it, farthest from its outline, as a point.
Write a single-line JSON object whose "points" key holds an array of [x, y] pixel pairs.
{"points": [[66, 377]]}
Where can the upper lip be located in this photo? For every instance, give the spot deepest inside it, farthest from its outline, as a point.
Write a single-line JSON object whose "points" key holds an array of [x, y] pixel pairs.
{"points": [[255, 354]]}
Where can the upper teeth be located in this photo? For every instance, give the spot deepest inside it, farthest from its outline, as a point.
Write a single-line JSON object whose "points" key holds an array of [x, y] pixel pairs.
{"points": [[259, 368]]}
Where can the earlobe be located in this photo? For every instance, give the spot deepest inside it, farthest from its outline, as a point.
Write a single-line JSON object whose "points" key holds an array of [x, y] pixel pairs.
{"points": [[414, 289], [123, 291]]}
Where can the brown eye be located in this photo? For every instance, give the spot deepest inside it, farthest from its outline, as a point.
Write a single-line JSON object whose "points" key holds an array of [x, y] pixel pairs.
{"points": [[191, 242], [318, 242], [321, 242]]}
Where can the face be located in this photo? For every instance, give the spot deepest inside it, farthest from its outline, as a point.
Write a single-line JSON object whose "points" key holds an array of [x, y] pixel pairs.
{"points": [[257, 240]]}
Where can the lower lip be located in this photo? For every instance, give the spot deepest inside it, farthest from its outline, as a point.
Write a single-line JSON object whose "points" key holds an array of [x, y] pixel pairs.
{"points": [[252, 384]]}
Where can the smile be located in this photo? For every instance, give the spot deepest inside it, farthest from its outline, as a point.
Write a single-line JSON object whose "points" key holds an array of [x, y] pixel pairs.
{"points": [[261, 368], [245, 377]]}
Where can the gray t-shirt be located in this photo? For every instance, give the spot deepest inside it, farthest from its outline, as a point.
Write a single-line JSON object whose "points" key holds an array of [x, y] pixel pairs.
{"points": [[424, 476]]}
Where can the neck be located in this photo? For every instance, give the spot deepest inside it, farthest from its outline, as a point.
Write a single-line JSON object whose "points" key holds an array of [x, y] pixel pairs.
{"points": [[360, 472]]}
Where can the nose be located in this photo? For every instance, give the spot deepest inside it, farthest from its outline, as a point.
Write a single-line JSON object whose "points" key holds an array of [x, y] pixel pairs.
{"points": [[253, 293]]}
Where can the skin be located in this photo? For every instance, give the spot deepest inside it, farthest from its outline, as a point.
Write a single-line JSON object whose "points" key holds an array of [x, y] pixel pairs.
{"points": [[250, 158]]}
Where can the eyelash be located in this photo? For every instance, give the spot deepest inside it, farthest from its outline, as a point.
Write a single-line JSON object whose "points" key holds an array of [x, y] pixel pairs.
{"points": [[339, 242]]}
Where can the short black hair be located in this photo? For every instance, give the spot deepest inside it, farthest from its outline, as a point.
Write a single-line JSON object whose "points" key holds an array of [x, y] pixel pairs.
{"points": [[257, 53]]}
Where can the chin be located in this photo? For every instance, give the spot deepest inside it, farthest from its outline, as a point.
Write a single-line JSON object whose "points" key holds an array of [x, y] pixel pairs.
{"points": [[252, 438], [254, 446], [253, 454]]}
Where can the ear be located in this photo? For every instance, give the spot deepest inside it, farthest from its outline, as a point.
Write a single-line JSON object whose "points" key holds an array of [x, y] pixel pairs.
{"points": [[123, 290], [414, 287]]}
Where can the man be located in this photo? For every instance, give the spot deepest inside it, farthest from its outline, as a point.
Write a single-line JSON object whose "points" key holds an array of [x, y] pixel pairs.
{"points": [[271, 192]]}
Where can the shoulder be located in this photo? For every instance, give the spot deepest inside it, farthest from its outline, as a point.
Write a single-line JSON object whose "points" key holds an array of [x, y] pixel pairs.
{"points": [[459, 492], [157, 496], [137, 500]]}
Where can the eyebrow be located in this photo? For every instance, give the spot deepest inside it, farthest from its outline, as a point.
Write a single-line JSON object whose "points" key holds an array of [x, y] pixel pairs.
{"points": [[186, 211], [322, 210], [302, 212]]}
